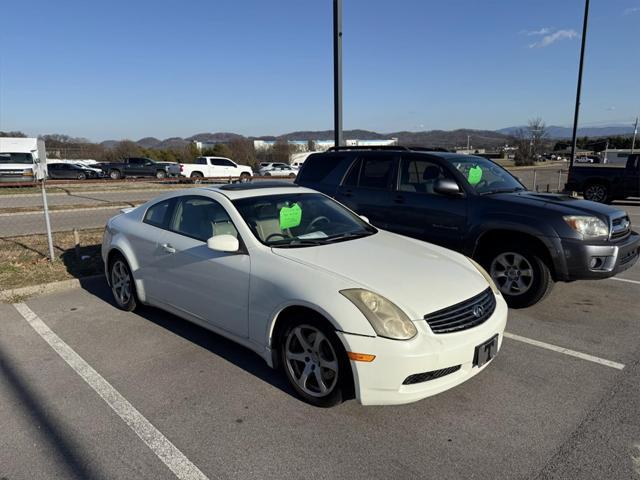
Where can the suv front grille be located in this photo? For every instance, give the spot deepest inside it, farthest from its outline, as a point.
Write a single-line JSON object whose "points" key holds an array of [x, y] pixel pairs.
{"points": [[463, 315], [620, 227]]}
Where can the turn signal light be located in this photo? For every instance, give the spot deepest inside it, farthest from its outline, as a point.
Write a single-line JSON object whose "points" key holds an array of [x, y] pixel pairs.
{"points": [[361, 357]]}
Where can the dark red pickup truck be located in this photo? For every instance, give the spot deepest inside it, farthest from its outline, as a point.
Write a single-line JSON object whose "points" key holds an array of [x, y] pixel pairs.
{"points": [[602, 183]]}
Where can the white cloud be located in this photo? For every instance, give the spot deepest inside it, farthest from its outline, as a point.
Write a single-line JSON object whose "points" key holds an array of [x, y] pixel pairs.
{"points": [[553, 38], [532, 33], [631, 10], [610, 109]]}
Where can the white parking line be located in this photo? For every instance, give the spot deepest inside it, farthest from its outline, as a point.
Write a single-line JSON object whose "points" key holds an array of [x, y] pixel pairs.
{"points": [[566, 351], [173, 458], [625, 280]]}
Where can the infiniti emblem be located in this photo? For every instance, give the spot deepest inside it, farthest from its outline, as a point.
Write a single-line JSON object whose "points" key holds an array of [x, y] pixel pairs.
{"points": [[478, 311]]}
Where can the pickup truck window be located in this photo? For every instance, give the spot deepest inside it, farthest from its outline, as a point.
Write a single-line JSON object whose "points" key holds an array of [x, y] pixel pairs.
{"points": [[222, 162], [136, 161], [16, 158], [201, 161]]}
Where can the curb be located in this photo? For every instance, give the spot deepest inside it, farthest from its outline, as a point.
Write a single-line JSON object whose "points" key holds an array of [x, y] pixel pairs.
{"points": [[7, 295]]}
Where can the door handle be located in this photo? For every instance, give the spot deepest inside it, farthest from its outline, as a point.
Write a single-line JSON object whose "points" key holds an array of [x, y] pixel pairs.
{"points": [[399, 199], [168, 248]]}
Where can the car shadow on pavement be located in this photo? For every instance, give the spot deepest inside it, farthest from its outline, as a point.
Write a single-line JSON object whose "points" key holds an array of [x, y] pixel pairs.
{"points": [[232, 352]]}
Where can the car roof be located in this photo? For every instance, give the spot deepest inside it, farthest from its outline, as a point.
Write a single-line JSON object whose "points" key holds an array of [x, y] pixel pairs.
{"points": [[234, 191]]}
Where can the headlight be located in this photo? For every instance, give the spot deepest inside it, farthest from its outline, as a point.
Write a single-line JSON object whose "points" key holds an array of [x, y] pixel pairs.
{"points": [[386, 318], [486, 276], [588, 227]]}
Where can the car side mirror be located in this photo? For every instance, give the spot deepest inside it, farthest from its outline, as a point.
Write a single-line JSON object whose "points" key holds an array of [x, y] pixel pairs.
{"points": [[446, 186], [362, 217], [224, 243]]}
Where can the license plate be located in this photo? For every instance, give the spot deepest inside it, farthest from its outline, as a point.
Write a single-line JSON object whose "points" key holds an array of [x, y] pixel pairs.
{"points": [[485, 351]]}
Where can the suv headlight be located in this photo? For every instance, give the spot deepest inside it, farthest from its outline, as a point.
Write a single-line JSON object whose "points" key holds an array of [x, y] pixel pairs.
{"points": [[385, 317], [486, 276], [587, 226]]}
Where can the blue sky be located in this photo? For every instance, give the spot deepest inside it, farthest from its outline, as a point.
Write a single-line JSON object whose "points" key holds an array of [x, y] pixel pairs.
{"points": [[129, 69]]}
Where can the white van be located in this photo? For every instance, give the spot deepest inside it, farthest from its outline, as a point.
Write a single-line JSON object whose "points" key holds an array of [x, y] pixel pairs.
{"points": [[18, 159]]}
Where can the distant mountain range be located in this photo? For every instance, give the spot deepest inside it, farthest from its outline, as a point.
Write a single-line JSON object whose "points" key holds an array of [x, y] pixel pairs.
{"points": [[554, 131], [431, 138]]}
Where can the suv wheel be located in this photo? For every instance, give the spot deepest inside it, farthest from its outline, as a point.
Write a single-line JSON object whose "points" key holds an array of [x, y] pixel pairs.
{"points": [[314, 362], [520, 273], [596, 192]]}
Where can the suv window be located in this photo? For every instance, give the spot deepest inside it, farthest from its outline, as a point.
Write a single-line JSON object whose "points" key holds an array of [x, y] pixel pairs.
{"points": [[318, 167], [376, 172], [202, 218], [157, 215], [419, 175]]}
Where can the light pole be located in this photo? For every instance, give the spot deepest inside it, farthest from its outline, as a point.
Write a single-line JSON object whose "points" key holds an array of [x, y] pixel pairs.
{"points": [[635, 132], [337, 72], [468, 143], [577, 111]]}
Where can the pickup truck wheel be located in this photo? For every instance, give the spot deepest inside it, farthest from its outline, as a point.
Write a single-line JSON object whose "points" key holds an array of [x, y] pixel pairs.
{"points": [[196, 177], [520, 273], [81, 176], [115, 174], [160, 174], [596, 192], [245, 177]]}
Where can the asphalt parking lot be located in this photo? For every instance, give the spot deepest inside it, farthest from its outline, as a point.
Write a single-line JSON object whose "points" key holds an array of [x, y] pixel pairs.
{"points": [[88, 391]]}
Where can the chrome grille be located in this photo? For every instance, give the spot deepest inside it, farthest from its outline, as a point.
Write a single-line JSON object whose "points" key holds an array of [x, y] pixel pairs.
{"points": [[620, 227], [463, 315]]}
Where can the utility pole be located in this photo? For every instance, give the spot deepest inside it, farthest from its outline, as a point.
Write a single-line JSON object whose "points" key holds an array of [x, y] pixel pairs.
{"points": [[577, 111], [635, 133], [468, 145], [337, 72]]}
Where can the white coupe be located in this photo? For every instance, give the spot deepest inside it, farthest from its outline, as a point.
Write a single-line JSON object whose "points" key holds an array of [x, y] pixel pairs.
{"points": [[344, 308]]}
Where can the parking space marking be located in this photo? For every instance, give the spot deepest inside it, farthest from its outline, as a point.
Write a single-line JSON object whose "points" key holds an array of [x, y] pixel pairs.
{"points": [[173, 458], [625, 280], [566, 351]]}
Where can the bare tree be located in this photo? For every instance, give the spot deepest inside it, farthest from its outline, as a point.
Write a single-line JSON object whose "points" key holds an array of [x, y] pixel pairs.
{"points": [[522, 142], [537, 133]]}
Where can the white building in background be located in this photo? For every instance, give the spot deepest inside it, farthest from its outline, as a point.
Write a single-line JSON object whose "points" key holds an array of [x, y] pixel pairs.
{"points": [[323, 145], [205, 145]]}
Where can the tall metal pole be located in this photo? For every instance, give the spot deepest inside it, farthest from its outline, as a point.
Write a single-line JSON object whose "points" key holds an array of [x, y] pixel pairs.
{"points": [[47, 222], [577, 112], [635, 132], [337, 72]]}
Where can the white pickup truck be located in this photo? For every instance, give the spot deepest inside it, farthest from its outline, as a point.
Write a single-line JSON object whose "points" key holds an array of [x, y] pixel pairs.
{"points": [[215, 167], [18, 157]]}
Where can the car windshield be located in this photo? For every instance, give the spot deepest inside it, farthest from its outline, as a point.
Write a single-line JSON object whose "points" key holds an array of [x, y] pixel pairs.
{"points": [[25, 158], [300, 220], [484, 176]]}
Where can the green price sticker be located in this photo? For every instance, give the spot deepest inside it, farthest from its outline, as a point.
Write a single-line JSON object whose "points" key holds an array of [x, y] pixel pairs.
{"points": [[475, 175], [290, 216]]}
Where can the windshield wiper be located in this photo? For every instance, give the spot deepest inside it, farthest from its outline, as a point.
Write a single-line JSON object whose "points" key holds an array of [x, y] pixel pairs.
{"points": [[299, 242], [349, 236], [503, 190]]}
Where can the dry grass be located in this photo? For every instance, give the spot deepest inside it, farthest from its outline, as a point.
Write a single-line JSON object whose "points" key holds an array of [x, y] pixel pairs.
{"points": [[24, 260]]}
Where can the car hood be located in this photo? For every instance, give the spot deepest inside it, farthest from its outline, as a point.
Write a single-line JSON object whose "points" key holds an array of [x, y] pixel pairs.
{"points": [[564, 204], [418, 277]]}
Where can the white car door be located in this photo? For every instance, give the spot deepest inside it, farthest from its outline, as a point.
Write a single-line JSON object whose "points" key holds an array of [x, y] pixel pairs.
{"points": [[209, 285]]}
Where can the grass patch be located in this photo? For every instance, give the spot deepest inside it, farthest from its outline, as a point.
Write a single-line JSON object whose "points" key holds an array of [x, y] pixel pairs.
{"points": [[24, 260]]}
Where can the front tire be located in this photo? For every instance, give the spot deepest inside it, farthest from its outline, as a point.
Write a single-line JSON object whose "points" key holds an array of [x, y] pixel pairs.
{"points": [[81, 176], [520, 273], [596, 192], [314, 362], [122, 284]]}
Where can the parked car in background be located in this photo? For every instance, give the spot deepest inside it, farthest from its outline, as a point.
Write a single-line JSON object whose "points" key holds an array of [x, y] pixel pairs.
{"points": [[140, 167], [59, 171], [605, 183], [17, 156], [215, 167], [310, 286], [280, 171], [525, 240], [266, 166]]}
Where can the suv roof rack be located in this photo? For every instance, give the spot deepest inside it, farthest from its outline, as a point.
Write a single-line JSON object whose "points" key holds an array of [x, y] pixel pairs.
{"points": [[388, 147]]}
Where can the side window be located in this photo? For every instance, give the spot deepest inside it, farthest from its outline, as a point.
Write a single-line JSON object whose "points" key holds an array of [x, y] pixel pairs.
{"points": [[351, 180], [158, 214], [418, 175], [376, 172], [201, 161], [135, 161], [318, 167], [227, 163], [202, 218]]}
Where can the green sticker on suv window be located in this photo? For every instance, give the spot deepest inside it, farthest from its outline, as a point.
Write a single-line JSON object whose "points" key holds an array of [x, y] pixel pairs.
{"points": [[475, 175], [290, 216]]}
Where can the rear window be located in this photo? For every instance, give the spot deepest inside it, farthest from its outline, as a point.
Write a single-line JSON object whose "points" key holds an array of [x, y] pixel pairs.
{"points": [[318, 167]]}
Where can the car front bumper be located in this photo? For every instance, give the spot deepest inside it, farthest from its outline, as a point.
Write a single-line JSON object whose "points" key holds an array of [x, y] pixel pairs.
{"points": [[380, 382], [593, 261]]}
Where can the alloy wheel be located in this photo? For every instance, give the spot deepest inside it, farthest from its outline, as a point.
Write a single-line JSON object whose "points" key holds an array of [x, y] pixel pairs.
{"points": [[595, 193], [311, 360], [512, 273], [121, 282]]}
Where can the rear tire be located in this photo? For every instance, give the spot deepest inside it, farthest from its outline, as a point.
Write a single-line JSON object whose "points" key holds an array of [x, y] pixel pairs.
{"points": [[123, 286], [81, 176], [314, 362], [245, 177], [160, 174], [115, 174], [520, 272], [597, 192]]}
